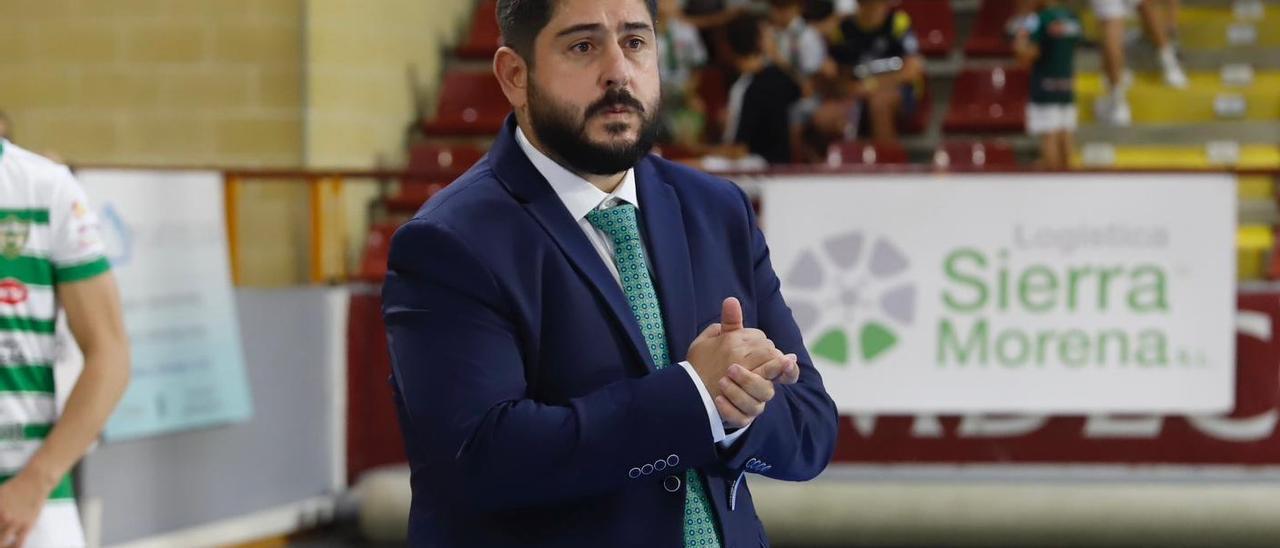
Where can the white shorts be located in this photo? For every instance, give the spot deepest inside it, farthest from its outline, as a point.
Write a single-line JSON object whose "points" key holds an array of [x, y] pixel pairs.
{"points": [[1113, 9], [1050, 117], [57, 527]]}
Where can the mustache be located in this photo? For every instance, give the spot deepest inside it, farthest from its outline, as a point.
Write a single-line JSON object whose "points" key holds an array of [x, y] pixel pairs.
{"points": [[614, 98]]}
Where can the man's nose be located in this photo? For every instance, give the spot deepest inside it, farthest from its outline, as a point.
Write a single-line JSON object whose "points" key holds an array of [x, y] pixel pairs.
{"points": [[617, 68]]}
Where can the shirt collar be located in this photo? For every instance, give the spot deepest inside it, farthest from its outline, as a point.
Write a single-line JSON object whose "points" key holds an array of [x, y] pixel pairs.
{"points": [[578, 194]]}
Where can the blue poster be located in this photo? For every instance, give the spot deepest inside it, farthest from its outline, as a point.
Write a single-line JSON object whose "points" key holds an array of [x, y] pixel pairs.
{"points": [[166, 239]]}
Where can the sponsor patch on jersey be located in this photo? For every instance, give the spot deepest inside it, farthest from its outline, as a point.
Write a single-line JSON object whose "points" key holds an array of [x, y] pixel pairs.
{"points": [[13, 236], [13, 292]]}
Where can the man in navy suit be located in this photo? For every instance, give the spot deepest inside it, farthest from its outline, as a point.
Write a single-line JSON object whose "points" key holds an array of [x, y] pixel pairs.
{"points": [[589, 344]]}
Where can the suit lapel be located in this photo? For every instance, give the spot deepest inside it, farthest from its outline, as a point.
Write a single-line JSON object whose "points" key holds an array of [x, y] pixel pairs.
{"points": [[517, 173], [668, 248]]}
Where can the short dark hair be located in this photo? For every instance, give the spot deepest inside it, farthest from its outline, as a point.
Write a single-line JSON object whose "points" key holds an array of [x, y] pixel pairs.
{"points": [[521, 20], [818, 10], [744, 34]]}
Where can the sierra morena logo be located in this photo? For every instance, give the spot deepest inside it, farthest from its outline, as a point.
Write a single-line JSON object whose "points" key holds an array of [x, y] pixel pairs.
{"points": [[851, 298], [855, 298]]}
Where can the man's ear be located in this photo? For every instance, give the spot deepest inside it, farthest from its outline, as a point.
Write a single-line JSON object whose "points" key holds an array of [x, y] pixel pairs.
{"points": [[513, 74]]}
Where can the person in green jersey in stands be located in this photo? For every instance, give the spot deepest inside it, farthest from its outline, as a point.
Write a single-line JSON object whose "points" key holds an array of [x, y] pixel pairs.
{"points": [[1047, 42], [51, 263]]}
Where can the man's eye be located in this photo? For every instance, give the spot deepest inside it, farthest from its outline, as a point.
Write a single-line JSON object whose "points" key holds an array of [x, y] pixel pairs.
{"points": [[636, 43], [581, 47]]}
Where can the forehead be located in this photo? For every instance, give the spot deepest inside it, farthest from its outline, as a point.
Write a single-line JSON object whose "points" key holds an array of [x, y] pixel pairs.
{"points": [[609, 13]]}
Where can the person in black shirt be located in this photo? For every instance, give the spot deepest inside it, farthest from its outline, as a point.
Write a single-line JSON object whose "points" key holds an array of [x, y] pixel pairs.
{"points": [[879, 56], [760, 100], [1047, 43]]}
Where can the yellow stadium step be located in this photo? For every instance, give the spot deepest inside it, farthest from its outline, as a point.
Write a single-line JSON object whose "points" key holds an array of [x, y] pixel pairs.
{"points": [[1153, 102], [1255, 156], [1201, 27], [1254, 243], [1210, 27], [1256, 187]]}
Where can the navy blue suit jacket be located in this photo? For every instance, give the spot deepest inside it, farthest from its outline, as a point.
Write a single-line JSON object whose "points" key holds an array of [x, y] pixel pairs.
{"points": [[532, 412]]}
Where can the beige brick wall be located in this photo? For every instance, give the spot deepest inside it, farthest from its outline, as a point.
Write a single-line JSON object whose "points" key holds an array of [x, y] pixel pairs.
{"points": [[365, 61], [155, 82], [231, 84], [360, 56]]}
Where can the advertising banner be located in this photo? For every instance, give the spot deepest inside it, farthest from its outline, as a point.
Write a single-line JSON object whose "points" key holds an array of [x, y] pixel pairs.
{"points": [[166, 239], [1047, 294], [1248, 435]]}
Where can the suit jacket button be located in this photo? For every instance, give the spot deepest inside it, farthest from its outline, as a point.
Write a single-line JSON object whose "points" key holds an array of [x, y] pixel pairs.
{"points": [[646, 469], [673, 460], [634, 473], [671, 484]]}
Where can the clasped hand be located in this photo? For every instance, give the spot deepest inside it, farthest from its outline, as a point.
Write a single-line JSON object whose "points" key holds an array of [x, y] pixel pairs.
{"points": [[739, 366]]}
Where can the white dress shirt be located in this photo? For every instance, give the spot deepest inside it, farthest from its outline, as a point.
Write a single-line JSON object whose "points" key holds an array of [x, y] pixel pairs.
{"points": [[580, 197], [801, 46]]}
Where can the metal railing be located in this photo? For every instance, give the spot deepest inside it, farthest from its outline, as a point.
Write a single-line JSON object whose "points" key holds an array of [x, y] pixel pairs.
{"points": [[326, 191]]}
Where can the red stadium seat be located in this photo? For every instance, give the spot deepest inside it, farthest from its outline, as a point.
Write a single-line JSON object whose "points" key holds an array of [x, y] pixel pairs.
{"points": [[988, 101], [377, 246], [934, 23], [412, 195], [988, 38], [865, 153], [713, 89], [471, 103], [485, 37], [431, 167], [675, 152], [442, 161], [974, 154]]}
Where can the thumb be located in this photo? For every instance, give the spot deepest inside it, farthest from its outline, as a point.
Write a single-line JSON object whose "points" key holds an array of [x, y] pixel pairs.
{"points": [[731, 315]]}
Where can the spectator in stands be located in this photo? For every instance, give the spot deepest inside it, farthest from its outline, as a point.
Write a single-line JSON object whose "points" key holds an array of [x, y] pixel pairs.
{"points": [[818, 122], [1160, 19], [1165, 15], [680, 53], [879, 55], [1113, 107], [706, 14], [1047, 42], [801, 48], [825, 15], [760, 100], [6, 127]]}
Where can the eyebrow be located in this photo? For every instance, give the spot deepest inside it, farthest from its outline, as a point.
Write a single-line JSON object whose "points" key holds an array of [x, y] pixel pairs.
{"points": [[597, 27], [637, 26]]}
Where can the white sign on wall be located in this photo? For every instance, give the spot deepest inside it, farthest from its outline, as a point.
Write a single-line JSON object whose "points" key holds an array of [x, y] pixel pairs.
{"points": [[1006, 293], [165, 234]]}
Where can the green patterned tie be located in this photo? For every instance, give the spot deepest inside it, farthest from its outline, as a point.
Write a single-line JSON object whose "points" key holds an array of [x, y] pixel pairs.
{"points": [[620, 224]]}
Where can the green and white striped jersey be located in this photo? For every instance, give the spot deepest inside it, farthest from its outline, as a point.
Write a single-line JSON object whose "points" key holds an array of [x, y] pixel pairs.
{"points": [[48, 236]]}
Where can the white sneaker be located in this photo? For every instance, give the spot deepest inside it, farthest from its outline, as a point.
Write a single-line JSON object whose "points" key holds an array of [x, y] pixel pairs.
{"points": [[1173, 74], [1111, 111], [1176, 78], [1120, 114], [1121, 87]]}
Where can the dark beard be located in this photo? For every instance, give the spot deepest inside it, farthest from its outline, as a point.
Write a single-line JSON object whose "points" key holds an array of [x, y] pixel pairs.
{"points": [[565, 137]]}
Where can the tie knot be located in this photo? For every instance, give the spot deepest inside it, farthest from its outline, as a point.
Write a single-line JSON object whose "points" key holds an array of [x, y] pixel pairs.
{"points": [[619, 222]]}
